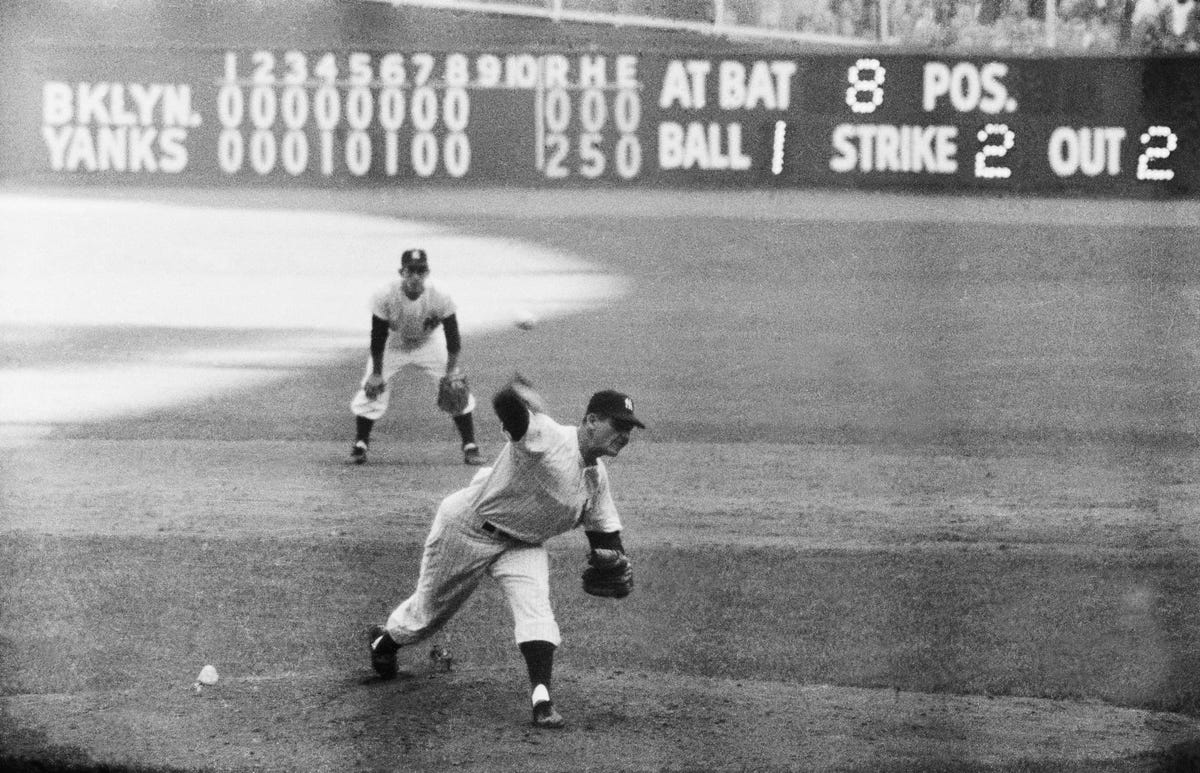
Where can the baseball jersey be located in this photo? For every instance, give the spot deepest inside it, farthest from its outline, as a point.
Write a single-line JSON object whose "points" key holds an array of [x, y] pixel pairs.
{"points": [[411, 321], [540, 487]]}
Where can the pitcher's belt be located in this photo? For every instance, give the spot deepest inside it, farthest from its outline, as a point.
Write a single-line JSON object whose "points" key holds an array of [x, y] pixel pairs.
{"points": [[496, 531]]}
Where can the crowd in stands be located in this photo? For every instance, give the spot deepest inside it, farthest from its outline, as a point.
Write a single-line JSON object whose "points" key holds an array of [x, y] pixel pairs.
{"points": [[1010, 26], [1076, 26]]}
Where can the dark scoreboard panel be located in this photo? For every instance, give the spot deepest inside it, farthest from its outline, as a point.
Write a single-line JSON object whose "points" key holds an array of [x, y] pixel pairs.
{"points": [[1126, 126]]}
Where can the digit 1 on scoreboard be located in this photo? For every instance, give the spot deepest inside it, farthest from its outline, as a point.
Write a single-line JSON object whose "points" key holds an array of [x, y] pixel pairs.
{"points": [[777, 147], [231, 67]]}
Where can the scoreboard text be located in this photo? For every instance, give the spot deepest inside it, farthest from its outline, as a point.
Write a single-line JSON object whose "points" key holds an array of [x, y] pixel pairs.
{"points": [[872, 121]]}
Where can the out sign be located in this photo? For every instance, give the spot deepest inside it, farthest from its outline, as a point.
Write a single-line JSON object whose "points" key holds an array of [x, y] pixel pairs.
{"points": [[1092, 151]]}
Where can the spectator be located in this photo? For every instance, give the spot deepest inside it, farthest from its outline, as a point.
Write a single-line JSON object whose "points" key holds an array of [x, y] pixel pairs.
{"points": [[991, 10], [1165, 26]]}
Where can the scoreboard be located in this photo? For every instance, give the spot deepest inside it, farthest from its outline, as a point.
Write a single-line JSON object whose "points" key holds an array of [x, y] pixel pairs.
{"points": [[866, 120]]}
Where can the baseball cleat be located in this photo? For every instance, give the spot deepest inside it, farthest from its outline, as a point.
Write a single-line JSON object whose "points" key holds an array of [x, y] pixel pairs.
{"points": [[383, 652], [358, 452], [547, 717], [471, 455]]}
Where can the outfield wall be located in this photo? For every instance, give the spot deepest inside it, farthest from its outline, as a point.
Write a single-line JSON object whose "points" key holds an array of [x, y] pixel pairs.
{"points": [[374, 115]]}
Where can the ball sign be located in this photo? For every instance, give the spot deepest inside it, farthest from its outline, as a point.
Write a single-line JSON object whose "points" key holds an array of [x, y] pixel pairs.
{"points": [[615, 118]]}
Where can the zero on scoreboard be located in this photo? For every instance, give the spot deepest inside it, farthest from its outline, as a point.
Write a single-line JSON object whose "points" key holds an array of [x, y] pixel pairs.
{"points": [[1121, 125]]}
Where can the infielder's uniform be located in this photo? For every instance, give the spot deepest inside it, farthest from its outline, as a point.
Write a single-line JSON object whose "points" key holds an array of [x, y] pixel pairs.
{"points": [[411, 343], [405, 316], [547, 480]]}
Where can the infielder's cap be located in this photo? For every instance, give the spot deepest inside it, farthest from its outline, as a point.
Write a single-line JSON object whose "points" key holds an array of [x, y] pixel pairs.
{"points": [[415, 260], [614, 405]]}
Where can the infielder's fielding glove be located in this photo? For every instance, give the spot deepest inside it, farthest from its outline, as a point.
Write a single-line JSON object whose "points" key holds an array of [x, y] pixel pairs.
{"points": [[609, 574], [453, 393]]}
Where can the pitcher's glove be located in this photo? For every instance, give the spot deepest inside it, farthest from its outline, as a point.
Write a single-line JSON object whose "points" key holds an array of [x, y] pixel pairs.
{"points": [[453, 393], [609, 574]]}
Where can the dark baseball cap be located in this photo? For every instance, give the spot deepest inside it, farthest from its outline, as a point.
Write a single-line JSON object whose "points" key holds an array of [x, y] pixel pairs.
{"points": [[614, 405], [415, 260]]}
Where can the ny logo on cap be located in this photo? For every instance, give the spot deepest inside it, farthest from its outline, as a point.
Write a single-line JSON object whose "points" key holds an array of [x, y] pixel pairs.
{"points": [[629, 404], [415, 257]]}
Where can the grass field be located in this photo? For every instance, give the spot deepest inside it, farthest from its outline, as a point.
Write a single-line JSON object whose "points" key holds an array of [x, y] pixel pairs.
{"points": [[918, 493]]}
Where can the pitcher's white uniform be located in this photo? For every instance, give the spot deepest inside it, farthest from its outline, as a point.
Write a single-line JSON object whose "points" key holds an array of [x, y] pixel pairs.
{"points": [[539, 487], [411, 342]]}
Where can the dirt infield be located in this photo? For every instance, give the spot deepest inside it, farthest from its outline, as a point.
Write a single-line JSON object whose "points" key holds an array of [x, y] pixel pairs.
{"points": [[917, 495], [1013, 638], [326, 722]]}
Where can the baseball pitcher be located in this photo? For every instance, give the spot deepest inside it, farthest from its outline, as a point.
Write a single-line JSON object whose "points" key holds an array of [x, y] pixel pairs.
{"points": [[547, 480], [404, 316]]}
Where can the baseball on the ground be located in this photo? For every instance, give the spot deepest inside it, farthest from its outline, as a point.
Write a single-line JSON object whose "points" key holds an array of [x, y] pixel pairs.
{"points": [[524, 319], [208, 675]]}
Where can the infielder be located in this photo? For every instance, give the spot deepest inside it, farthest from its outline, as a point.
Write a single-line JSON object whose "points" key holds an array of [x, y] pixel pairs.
{"points": [[548, 479], [413, 309]]}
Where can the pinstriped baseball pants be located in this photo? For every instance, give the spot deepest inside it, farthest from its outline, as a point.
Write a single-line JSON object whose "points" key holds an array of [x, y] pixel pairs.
{"points": [[457, 556]]}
